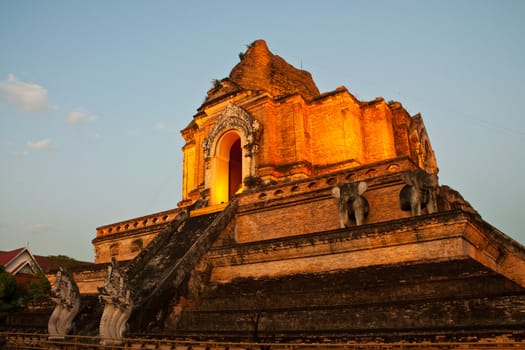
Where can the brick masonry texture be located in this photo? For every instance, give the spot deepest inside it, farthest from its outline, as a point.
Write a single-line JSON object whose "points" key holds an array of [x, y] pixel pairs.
{"points": [[281, 266]]}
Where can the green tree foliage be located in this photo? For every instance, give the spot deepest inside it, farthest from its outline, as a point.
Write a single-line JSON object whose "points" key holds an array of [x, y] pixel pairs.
{"points": [[38, 289], [62, 260], [217, 85], [10, 297], [14, 296]]}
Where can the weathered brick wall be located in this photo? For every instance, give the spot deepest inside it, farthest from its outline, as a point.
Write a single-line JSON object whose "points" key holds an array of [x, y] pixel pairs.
{"points": [[125, 239], [301, 134], [336, 130], [89, 280], [125, 247], [308, 206], [418, 317], [437, 237], [378, 131], [302, 137], [401, 121], [296, 218], [426, 300], [427, 276]]}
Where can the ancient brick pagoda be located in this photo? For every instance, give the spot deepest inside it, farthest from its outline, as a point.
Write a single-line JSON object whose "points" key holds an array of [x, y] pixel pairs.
{"points": [[307, 215]]}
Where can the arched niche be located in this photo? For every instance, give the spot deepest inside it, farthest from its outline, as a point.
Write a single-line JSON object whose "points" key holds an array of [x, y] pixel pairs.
{"points": [[229, 153], [228, 167]]}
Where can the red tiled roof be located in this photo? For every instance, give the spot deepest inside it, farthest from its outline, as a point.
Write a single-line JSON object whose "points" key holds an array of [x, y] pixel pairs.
{"points": [[6, 257], [45, 263], [53, 264]]}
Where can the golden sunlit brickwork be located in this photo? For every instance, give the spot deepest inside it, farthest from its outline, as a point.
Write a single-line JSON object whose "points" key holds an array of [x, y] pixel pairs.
{"points": [[124, 240], [294, 133], [285, 130], [268, 136], [308, 206], [308, 215], [299, 138]]}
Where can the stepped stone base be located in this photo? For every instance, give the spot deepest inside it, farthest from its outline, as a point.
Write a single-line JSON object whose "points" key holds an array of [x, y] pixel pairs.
{"points": [[448, 297], [427, 277]]}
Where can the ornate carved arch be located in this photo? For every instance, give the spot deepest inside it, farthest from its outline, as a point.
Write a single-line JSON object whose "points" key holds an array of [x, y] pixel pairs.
{"points": [[234, 117]]}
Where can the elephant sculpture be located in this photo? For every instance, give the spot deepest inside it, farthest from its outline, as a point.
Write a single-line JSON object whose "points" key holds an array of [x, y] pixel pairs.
{"points": [[351, 202], [419, 192]]}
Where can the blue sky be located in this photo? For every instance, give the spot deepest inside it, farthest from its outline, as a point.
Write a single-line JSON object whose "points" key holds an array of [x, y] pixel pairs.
{"points": [[93, 95]]}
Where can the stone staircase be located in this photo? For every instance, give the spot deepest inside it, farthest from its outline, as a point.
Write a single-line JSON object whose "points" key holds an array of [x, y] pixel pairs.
{"points": [[156, 274]]}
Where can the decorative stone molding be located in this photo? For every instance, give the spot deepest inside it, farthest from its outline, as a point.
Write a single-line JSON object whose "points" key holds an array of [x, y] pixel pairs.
{"points": [[118, 305], [136, 223], [328, 181], [234, 117], [66, 297]]}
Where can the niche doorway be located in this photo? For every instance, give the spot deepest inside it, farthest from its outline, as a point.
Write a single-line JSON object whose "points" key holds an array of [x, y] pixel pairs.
{"points": [[228, 168], [235, 169]]}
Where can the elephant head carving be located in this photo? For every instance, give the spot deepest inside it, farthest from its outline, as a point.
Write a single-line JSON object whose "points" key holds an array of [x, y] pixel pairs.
{"points": [[419, 192], [351, 203]]}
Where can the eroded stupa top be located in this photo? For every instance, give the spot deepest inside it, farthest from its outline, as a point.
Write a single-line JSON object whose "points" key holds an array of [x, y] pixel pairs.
{"points": [[261, 70]]}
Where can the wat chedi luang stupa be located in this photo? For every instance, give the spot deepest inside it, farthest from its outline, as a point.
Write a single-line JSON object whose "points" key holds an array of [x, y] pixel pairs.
{"points": [[306, 215]]}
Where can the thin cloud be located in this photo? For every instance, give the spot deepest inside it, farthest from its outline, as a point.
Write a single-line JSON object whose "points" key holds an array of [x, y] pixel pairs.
{"points": [[13, 149], [28, 97], [42, 145], [80, 116], [36, 228], [161, 126]]}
